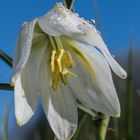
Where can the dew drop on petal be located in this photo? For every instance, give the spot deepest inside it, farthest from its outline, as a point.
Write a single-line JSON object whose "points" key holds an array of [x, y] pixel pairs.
{"points": [[91, 21], [77, 14]]}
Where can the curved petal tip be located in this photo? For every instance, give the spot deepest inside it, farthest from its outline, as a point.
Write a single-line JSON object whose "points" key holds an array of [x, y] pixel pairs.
{"points": [[20, 123], [123, 74], [117, 113], [12, 81]]}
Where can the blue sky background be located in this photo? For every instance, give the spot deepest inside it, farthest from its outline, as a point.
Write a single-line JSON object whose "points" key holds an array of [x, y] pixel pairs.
{"points": [[117, 19]]}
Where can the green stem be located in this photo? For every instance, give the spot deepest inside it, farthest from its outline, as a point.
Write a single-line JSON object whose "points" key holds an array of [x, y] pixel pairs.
{"points": [[6, 58], [84, 117], [116, 132], [102, 126], [5, 86], [69, 4]]}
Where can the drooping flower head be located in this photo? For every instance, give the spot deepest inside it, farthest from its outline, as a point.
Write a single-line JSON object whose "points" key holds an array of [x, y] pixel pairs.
{"points": [[62, 58]]}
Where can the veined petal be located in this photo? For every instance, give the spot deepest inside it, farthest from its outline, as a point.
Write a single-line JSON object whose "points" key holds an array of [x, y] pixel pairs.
{"points": [[23, 48], [94, 39], [30, 72], [61, 21], [60, 107], [27, 86], [62, 113], [23, 111], [96, 90]]}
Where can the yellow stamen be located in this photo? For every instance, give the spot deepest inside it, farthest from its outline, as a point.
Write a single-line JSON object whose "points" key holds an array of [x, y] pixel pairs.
{"points": [[67, 60], [65, 71], [52, 60], [55, 76], [59, 59], [60, 63], [63, 78]]}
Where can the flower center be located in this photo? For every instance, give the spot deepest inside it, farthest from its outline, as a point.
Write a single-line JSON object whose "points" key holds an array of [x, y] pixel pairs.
{"points": [[61, 62]]}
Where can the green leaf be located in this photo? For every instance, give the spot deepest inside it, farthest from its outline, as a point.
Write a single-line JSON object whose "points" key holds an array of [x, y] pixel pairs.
{"points": [[5, 86], [6, 58], [5, 123], [129, 94]]}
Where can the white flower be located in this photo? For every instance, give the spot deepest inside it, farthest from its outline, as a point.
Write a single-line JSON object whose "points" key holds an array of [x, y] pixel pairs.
{"points": [[62, 58]]}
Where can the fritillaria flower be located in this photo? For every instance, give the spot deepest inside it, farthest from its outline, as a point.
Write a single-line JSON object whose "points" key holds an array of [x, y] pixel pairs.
{"points": [[62, 58]]}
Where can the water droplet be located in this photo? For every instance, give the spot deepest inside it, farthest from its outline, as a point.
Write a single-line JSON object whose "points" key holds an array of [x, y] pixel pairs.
{"points": [[91, 21], [82, 18], [77, 14]]}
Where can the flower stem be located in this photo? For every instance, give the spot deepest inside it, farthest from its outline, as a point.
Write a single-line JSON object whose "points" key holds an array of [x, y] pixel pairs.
{"points": [[116, 128], [84, 117], [102, 126], [69, 4]]}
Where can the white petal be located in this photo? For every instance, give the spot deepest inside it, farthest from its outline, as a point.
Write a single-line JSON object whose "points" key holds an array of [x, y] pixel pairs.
{"points": [[62, 113], [23, 48], [30, 72], [23, 111], [95, 90], [61, 21], [60, 107], [27, 83], [93, 38]]}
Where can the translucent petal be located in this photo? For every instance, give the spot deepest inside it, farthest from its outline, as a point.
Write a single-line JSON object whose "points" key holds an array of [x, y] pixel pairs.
{"points": [[61, 21], [23, 48], [93, 38], [23, 111], [94, 88], [30, 72], [62, 113], [60, 107], [27, 86]]}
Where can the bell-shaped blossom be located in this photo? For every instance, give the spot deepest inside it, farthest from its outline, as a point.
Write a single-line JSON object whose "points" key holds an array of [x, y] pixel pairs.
{"points": [[62, 58]]}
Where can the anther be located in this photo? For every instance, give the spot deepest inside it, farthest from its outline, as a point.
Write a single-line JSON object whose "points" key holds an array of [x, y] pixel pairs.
{"points": [[65, 71], [52, 60], [59, 59]]}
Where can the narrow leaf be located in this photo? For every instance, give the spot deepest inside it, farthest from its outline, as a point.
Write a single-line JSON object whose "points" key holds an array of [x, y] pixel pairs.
{"points": [[6, 58], [129, 93], [5, 123], [5, 86]]}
